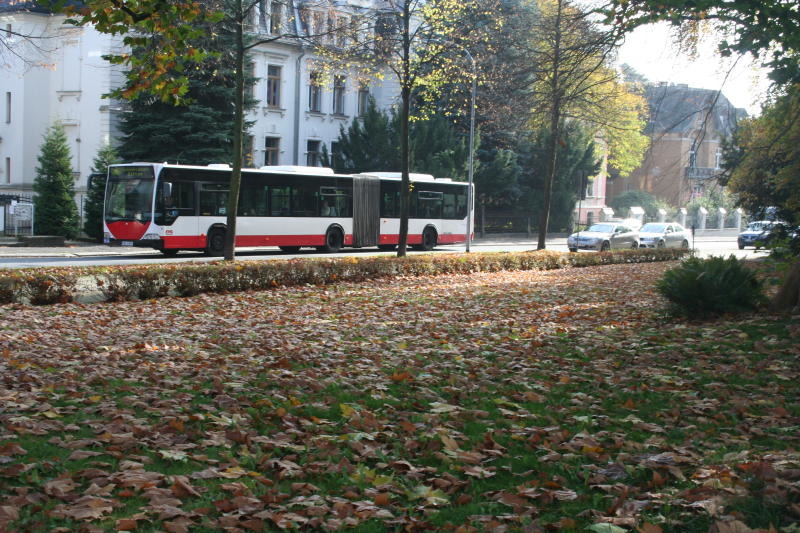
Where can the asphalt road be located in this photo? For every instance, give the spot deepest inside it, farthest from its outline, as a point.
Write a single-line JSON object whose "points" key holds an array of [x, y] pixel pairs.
{"points": [[96, 255]]}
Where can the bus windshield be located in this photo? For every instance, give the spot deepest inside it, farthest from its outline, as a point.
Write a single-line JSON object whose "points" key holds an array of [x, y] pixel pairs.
{"points": [[129, 194]]}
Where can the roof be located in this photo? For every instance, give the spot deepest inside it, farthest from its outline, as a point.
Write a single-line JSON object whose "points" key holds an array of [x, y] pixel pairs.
{"points": [[683, 109]]}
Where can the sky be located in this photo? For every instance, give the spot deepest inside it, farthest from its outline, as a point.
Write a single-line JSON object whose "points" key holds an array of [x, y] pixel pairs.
{"points": [[649, 50]]}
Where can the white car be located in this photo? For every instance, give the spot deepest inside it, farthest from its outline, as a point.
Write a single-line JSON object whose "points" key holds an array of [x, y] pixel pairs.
{"points": [[664, 235], [604, 236]]}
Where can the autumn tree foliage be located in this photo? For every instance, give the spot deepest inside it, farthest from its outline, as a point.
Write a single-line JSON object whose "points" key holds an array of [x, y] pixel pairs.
{"points": [[762, 165], [55, 212], [570, 58]]}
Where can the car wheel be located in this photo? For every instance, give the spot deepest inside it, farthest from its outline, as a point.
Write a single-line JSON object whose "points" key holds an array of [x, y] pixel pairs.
{"points": [[606, 246], [741, 246], [685, 244], [573, 249], [215, 242], [635, 245], [660, 244], [334, 240], [290, 249]]}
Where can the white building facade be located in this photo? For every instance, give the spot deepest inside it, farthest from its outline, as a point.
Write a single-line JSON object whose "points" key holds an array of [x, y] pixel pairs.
{"points": [[59, 75]]}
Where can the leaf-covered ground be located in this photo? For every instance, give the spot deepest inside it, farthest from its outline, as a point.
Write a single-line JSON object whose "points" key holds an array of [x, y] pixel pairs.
{"points": [[514, 401]]}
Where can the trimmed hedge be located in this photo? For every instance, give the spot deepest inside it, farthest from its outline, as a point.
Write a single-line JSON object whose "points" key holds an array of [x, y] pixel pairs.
{"points": [[124, 283]]}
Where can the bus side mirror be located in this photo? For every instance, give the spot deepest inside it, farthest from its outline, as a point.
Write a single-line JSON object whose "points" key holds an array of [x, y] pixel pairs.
{"points": [[166, 190]]}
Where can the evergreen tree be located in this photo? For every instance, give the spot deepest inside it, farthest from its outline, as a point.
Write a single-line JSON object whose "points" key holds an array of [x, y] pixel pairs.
{"points": [[95, 194], [369, 143], [577, 159], [198, 133], [55, 212]]}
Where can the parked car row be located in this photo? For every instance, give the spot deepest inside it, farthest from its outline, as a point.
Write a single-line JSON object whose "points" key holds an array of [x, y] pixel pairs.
{"points": [[626, 234]]}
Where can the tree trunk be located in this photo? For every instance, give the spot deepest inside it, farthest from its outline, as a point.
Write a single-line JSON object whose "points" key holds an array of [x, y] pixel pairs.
{"points": [[405, 157], [788, 295], [238, 122], [555, 119]]}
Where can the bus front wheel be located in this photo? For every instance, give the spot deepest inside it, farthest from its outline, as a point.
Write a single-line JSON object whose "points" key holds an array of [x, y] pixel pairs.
{"points": [[215, 242], [334, 240]]}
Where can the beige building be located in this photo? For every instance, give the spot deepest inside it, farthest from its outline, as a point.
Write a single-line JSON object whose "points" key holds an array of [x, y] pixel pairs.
{"points": [[686, 129]]}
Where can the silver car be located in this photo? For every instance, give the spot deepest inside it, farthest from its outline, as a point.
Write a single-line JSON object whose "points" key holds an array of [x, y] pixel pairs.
{"points": [[663, 235], [604, 236]]}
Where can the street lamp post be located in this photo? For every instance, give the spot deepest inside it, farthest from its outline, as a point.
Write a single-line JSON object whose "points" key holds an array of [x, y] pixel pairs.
{"points": [[471, 141], [470, 198]]}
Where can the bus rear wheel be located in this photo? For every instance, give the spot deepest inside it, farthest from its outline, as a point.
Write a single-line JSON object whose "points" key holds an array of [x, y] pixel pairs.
{"points": [[334, 240], [215, 242], [429, 239]]}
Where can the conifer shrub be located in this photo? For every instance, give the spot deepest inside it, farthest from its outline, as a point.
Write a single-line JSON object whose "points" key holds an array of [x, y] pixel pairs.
{"points": [[712, 286]]}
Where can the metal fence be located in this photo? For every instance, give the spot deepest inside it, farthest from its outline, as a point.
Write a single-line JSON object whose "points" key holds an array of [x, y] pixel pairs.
{"points": [[17, 215]]}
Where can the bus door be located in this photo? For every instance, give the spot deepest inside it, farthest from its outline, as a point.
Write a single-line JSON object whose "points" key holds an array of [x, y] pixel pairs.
{"points": [[176, 203], [366, 210]]}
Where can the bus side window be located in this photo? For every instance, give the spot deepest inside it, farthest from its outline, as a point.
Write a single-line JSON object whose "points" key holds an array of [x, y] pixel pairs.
{"points": [[279, 201], [429, 204], [253, 200], [213, 199], [449, 206], [461, 205], [304, 201]]}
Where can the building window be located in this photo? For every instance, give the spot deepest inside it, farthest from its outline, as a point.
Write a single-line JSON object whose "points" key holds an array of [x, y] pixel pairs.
{"points": [[718, 159], [275, 18], [315, 92], [313, 153], [8, 170], [319, 24], [249, 83], [363, 99], [272, 152], [273, 86], [342, 23], [339, 83], [8, 108], [336, 151], [589, 189]]}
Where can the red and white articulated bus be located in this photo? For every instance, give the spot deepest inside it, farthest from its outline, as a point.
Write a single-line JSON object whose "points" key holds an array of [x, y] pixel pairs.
{"points": [[180, 207]]}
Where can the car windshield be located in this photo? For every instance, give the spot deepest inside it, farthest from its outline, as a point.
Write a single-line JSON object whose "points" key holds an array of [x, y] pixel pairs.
{"points": [[602, 228], [653, 228], [758, 226]]}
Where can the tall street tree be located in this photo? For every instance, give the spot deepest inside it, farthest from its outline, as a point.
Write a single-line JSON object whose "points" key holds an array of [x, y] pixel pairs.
{"points": [[170, 32], [406, 39], [55, 212], [762, 169], [572, 81]]}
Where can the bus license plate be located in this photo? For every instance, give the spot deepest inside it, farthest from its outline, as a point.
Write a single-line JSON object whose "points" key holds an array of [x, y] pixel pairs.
{"points": [[126, 243]]}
